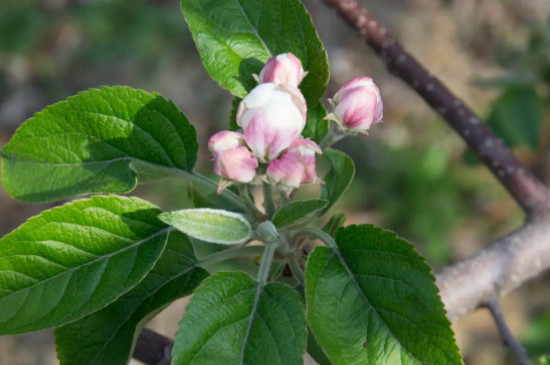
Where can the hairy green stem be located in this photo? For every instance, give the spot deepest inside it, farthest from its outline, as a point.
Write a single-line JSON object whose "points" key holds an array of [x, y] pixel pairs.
{"points": [[244, 193], [296, 269], [265, 263], [231, 253], [268, 200], [318, 234]]}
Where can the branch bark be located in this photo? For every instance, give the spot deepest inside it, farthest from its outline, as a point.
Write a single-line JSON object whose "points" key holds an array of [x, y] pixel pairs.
{"points": [[495, 271], [527, 190]]}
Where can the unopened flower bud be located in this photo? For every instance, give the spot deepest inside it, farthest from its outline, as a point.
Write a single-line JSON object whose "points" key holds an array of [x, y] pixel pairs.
{"points": [[225, 140], [358, 105], [283, 69], [296, 165], [236, 164], [272, 117]]}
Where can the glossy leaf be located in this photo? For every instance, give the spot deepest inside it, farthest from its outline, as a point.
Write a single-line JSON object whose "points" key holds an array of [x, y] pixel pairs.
{"points": [[108, 336], [339, 178], [225, 323], [316, 127], [98, 141], [373, 300], [297, 212], [210, 225], [236, 37], [75, 259]]}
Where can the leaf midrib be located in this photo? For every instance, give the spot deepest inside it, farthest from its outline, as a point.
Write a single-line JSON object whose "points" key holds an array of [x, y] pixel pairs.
{"points": [[336, 252], [99, 258]]}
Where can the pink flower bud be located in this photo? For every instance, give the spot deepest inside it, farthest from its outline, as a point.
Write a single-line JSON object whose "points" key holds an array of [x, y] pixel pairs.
{"points": [[272, 117], [283, 69], [225, 140], [236, 164], [358, 104], [296, 165]]}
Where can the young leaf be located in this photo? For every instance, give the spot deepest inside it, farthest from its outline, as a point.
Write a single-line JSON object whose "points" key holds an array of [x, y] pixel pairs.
{"points": [[236, 37], [210, 225], [73, 260], [98, 141], [374, 300], [225, 323], [297, 212], [316, 127], [338, 178], [107, 336]]}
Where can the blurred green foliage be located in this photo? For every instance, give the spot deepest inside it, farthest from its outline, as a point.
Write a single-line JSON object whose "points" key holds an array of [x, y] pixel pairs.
{"points": [[517, 115], [537, 339]]}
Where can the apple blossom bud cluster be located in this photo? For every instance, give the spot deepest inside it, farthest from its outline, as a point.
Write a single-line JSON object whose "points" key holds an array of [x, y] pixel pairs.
{"points": [[272, 117], [357, 105]]}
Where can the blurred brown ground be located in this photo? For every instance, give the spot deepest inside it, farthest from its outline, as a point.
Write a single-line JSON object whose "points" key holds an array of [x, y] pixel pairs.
{"points": [[456, 40]]}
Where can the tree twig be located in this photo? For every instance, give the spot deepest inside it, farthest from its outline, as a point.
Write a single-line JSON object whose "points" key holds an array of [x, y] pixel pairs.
{"points": [[507, 336], [527, 190]]}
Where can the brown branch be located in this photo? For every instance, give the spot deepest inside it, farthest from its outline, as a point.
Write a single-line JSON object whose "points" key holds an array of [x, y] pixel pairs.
{"points": [[496, 270], [527, 190]]}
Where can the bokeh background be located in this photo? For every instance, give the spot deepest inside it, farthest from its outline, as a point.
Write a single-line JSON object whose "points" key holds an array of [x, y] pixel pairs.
{"points": [[413, 174]]}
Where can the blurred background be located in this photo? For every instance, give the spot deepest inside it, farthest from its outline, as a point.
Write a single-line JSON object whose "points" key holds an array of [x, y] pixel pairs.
{"points": [[414, 175]]}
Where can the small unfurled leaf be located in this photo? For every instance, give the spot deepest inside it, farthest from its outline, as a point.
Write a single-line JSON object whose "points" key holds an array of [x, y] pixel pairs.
{"points": [[316, 127], [73, 260], [99, 141], [229, 320], [107, 336], [236, 37], [373, 300], [297, 212], [338, 178], [210, 225]]}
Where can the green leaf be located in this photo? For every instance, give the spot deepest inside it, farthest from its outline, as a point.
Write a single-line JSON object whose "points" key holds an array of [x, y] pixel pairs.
{"points": [[210, 225], [227, 323], [316, 127], [236, 37], [516, 116], [373, 300], [315, 351], [108, 336], [98, 141], [339, 178], [297, 212], [75, 259]]}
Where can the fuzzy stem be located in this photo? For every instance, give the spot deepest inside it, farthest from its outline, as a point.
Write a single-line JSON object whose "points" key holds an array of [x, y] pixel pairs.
{"points": [[269, 203]]}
